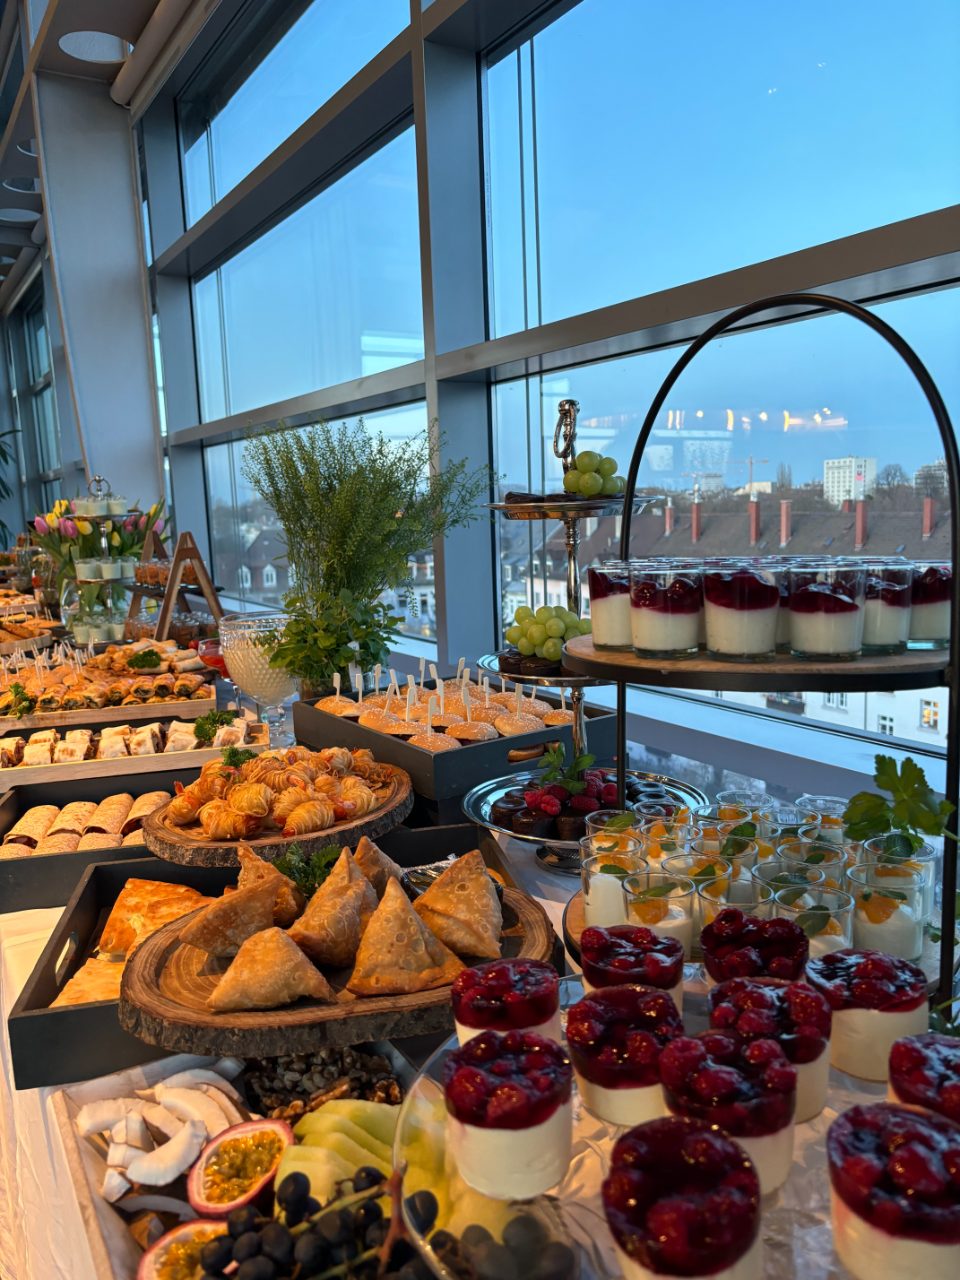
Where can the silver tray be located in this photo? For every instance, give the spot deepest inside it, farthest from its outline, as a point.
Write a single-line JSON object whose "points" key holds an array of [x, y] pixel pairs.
{"points": [[488, 665], [576, 508]]}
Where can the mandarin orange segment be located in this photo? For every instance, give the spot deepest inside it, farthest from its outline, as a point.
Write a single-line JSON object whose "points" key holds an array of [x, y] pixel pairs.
{"points": [[877, 907], [832, 927], [651, 910]]}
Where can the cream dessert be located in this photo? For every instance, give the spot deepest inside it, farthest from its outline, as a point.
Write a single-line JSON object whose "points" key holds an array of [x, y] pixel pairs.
{"points": [[742, 607], [888, 910], [602, 877], [875, 1000], [615, 1037], [826, 613], [509, 1113], [507, 995], [664, 905], [925, 1072], [665, 609], [609, 587], [629, 953], [794, 1015], [886, 610], [747, 1089], [930, 611], [895, 1193], [741, 946], [681, 1199]]}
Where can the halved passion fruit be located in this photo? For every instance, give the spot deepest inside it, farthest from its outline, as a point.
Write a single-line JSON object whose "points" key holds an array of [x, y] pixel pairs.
{"points": [[176, 1256], [237, 1166]]}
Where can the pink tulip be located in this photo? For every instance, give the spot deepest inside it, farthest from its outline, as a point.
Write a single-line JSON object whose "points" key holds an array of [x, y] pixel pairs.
{"points": [[68, 528], [142, 522], [158, 527], [40, 525], [73, 504], [130, 523]]}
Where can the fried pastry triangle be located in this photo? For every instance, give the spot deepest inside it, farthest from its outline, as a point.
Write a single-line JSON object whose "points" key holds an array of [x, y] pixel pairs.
{"points": [[398, 953], [267, 972], [225, 925], [289, 900], [462, 908], [331, 927], [375, 865]]}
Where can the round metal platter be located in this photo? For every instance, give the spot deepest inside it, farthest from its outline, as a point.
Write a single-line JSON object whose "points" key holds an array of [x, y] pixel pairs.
{"points": [[488, 664], [578, 508]]}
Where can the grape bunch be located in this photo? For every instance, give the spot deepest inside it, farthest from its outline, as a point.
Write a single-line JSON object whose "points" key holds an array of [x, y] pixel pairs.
{"points": [[526, 1252], [543, 633], [593, 475]]}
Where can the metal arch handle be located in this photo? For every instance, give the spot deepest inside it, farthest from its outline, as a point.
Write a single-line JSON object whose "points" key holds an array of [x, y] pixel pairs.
{"points": [[566, 429]]}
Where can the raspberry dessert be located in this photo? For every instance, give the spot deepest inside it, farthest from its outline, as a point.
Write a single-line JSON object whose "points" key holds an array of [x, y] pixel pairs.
{"points": [[631, 953], [794, 1015], [665, 612], [609, 587], [509, 1113], [826, 612], [886, 614], [507, 995], [683, 1200], [930, 612], [615, 1038], [740, 946], [895, 1193], [875, 1000], [925, 1072], [748, 1089], [742, 607]]}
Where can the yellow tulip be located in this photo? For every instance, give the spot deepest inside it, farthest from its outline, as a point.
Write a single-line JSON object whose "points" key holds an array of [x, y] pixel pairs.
{"points": [[60, 506], [85, 526], [153, 509], [109, 526], [114, 539], [53, 521]]}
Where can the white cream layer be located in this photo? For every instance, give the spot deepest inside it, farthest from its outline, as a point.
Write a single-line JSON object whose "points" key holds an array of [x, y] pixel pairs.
{"points": [[812, 1080], [885, 624], [513, 1164], [930, 621], [871, 1254], [826, 632], [749, 1267], [551, 1029], [610, 618], [625, 1107], [901, 934], [655, 632], [772, 1156], [741, 632], [862, 1038]]}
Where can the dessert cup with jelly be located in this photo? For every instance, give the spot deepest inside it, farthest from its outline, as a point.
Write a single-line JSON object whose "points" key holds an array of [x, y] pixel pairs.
{"points": [[602, 876], [741, 604], [888, 912], [931, 591], [886, 611], [629, 953], [609, 587], [664, 903], [925, 1073], [826, 611], [740, 945], [507, 995], [665, 609]]}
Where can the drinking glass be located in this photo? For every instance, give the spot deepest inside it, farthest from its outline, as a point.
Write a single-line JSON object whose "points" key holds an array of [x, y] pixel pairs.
{"points": [[741, 605], [664, 904], [740, 851], [247, 644], [661, 838], [210, 653], [827, 812], [602, 878], [886, 616], [777, 876], [930, 608], [888, 915], [600, 818], [666, 604], [717, 821], [610, 842], [825, 915]]}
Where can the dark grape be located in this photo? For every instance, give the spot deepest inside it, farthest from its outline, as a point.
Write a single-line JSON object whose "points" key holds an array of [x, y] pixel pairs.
{"points": [[367, 1177], [293, 1191], [556, 1262], [368, 1214], [345, 1252], [443, 1240], [402, 1251], [494, 1262], [336, 1227], [239, 1221], [216, 1255], [422, 1208], [256, 1269], [311, 1207], [311, 1253], [375, 1234], [525, 1236], [246, 1246], [415, 1270], [475, 1235], [276, 1243]]}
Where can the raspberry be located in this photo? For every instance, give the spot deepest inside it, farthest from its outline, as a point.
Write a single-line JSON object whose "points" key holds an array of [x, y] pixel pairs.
{"points": [[532, 798], [550, 804], [608, 793], [583, 804], [555, 789], [592, 789], [916, 1172]]}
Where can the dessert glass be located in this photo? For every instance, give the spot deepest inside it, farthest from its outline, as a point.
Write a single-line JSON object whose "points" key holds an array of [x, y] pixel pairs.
{"points": [[824, 915], [602, 877], [930, 612], [827, 812], [741, 604], [740, 798], [507, 995], [925, 1073], [892, 851], [664, 903], [826, 611], [778, 877], [743, 892], [662, 838], [740, 851], [786, 819], [609, 587], [736, 944], [717, 821], [886, 612], [888, 914], [830, 858], [665, 608], [601, 818]]}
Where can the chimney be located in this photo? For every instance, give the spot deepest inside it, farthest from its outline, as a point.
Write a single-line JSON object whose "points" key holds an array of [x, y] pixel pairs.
{"points": [[845, 508], [786, 521], [668, 514], [754, 509], [929, 518], [860, 532], [696, 523]]}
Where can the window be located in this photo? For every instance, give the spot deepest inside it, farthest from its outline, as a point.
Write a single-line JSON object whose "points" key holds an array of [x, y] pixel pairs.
{"points": [[343, 299], [31, 381], [244, 577], [278, 65], [929, 714], [734, 134], [269, 576], [835, 701], [885, 726]]}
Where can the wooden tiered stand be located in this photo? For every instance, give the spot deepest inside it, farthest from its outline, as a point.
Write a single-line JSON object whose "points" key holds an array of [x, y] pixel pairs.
{"points": [[173, 591]]}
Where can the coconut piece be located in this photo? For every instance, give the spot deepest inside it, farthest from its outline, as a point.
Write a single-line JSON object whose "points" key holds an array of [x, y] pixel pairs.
{"points": [[119, 1155], [161, 1121], [160, 1167], [229, 1068], [132, 1130], [100, 1117], [114, 1186], [199, 1076], [225, 1103], [193, 1104]]}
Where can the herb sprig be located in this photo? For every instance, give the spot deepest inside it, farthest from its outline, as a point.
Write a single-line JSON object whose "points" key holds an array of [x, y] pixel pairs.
{"points": [[145, 660], [237, 757], [308, 870], [911, 812], [23, 704], [556, 769], [205, 727]]}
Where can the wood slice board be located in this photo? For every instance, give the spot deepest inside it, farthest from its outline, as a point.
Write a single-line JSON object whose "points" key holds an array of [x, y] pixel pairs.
{"points": [[166, 983], [176, 709], [188, 846], [574, 924], [126, 766]]}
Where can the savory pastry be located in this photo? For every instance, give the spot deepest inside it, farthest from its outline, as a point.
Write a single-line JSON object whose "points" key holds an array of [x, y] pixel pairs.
{"points": [[187, 684], [113, 748], [74, 817], [141, 908], [227, 922], [52, 699], [185, 805], [285, 803], [335, 760], [33, 826], [97, 979], [331, 927], [216, 779], [231, 735], [253, 870], [133, 838], [376, 866], [141, 808], [16, 851], [37, 753], [44, 735], [110, 814], [68, 752], [116, 731], [354, 791], [312, 815], [79, 735], [163, 685], [269, 971], [180, 737], [95, 695], [11, 751], [59, 842], [398, 953], [462, 909], [98, 840], [252, 798], [144, 741], [221, 822]]}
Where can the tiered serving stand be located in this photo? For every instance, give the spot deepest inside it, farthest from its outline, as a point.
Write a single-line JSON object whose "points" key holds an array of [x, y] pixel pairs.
{"points": [[910, 670]]}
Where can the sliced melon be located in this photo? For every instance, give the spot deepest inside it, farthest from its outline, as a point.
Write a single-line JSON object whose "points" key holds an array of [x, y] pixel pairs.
{"points": [[323, 1131], [379, 1119], [324, 1169]]}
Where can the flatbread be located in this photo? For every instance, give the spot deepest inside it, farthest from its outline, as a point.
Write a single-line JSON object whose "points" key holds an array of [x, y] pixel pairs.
{"points": [[227, 922], [97, 979], [269, 971], [398, 953], [462, 909], [59, 842], [73, 817], [97, 840], [16, 851], [33, 826], [375, 865], [331, 927], [141, 808], [110, 814], [141, 908]]}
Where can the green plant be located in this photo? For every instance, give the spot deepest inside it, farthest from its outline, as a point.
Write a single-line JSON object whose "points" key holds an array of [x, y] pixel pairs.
{"points": [[237, 757], [205, 727], [145, 660], [308, 870], [325, 634], [911, 812], [555, 769]]}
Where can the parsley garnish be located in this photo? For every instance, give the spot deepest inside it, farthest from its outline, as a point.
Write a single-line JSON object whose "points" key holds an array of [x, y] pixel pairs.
{"points": [[308, 870]]}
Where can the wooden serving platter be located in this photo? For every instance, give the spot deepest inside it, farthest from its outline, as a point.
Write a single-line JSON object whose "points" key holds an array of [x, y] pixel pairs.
{"points": [[26, 646], [176, 709], [574, 923], [166, 984], [188, 845]]}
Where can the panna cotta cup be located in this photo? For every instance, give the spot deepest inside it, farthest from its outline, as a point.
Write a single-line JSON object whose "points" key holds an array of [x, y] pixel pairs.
{"points": [[700, 869], [740, 945], [925, 1072], [507, 995], [778, 877], [888, 913], [663, 837], [741, 851], [783, 819], [826, 611], [893, 850], [895, 1192], [601, 877], [886, 610], [931, 593], [669, 1178], [794, 1015], [665, 609], [824, 915], [738, 798], [829, 858], [509, 1113], [741, 605], [663, 903], [748, 1089], [750, 897], [876, 1000], [826, 812], [609, 587], [634, 954], [615, 1037]]}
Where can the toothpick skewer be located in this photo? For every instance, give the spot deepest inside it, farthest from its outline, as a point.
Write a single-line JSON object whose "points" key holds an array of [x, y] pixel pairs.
{"points": [[336, 683], [422, 669], [376, 677], [431, 712], [360, 688], [411, 699], [460, 666], [442, 692]]}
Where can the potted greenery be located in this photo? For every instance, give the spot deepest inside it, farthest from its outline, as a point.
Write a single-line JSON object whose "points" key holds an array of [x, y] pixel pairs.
{"points": [[354, 507]]}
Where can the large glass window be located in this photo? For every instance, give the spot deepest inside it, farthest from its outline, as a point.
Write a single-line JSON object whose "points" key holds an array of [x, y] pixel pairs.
{"points": [[281, 62], [636, 146], [331, 293], [31, 380]]}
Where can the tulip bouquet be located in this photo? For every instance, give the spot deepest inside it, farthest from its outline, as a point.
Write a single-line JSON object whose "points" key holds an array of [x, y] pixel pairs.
{"points": [[65, 537]]}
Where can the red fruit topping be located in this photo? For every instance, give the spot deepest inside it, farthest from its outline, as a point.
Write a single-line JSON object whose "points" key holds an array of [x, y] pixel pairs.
{"points": [[630, 953], [506, 995], [550, 804], [584, 803], [514, 1081], [556, 790], [532, 798], [608, 793], [925, 1071], [867, 980], [748, 1089], [898, 1169], [792, 1013], [593, 789], [594, 775], [681, 1199], [615, 1035], [739, 946], [741, 589]]}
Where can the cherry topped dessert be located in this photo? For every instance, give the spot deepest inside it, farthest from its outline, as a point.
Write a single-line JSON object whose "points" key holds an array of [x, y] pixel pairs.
{"points": [[740, 946], [616, 1034], [630, 953], [507, 995], [925, 1072], [682, 1200]]}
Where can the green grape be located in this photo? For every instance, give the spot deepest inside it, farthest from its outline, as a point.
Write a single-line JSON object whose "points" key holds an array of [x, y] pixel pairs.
{"points": [[569, 616], [607, 467], [571, 481], [590, 484], [587, 461], [585, 626], [539, 651], [611, 487], [525, 646], [544, 613], [552, 649], [621, 484], [555, 627], [573, 629], [513, 634], [537, 633], [523, 614]]}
